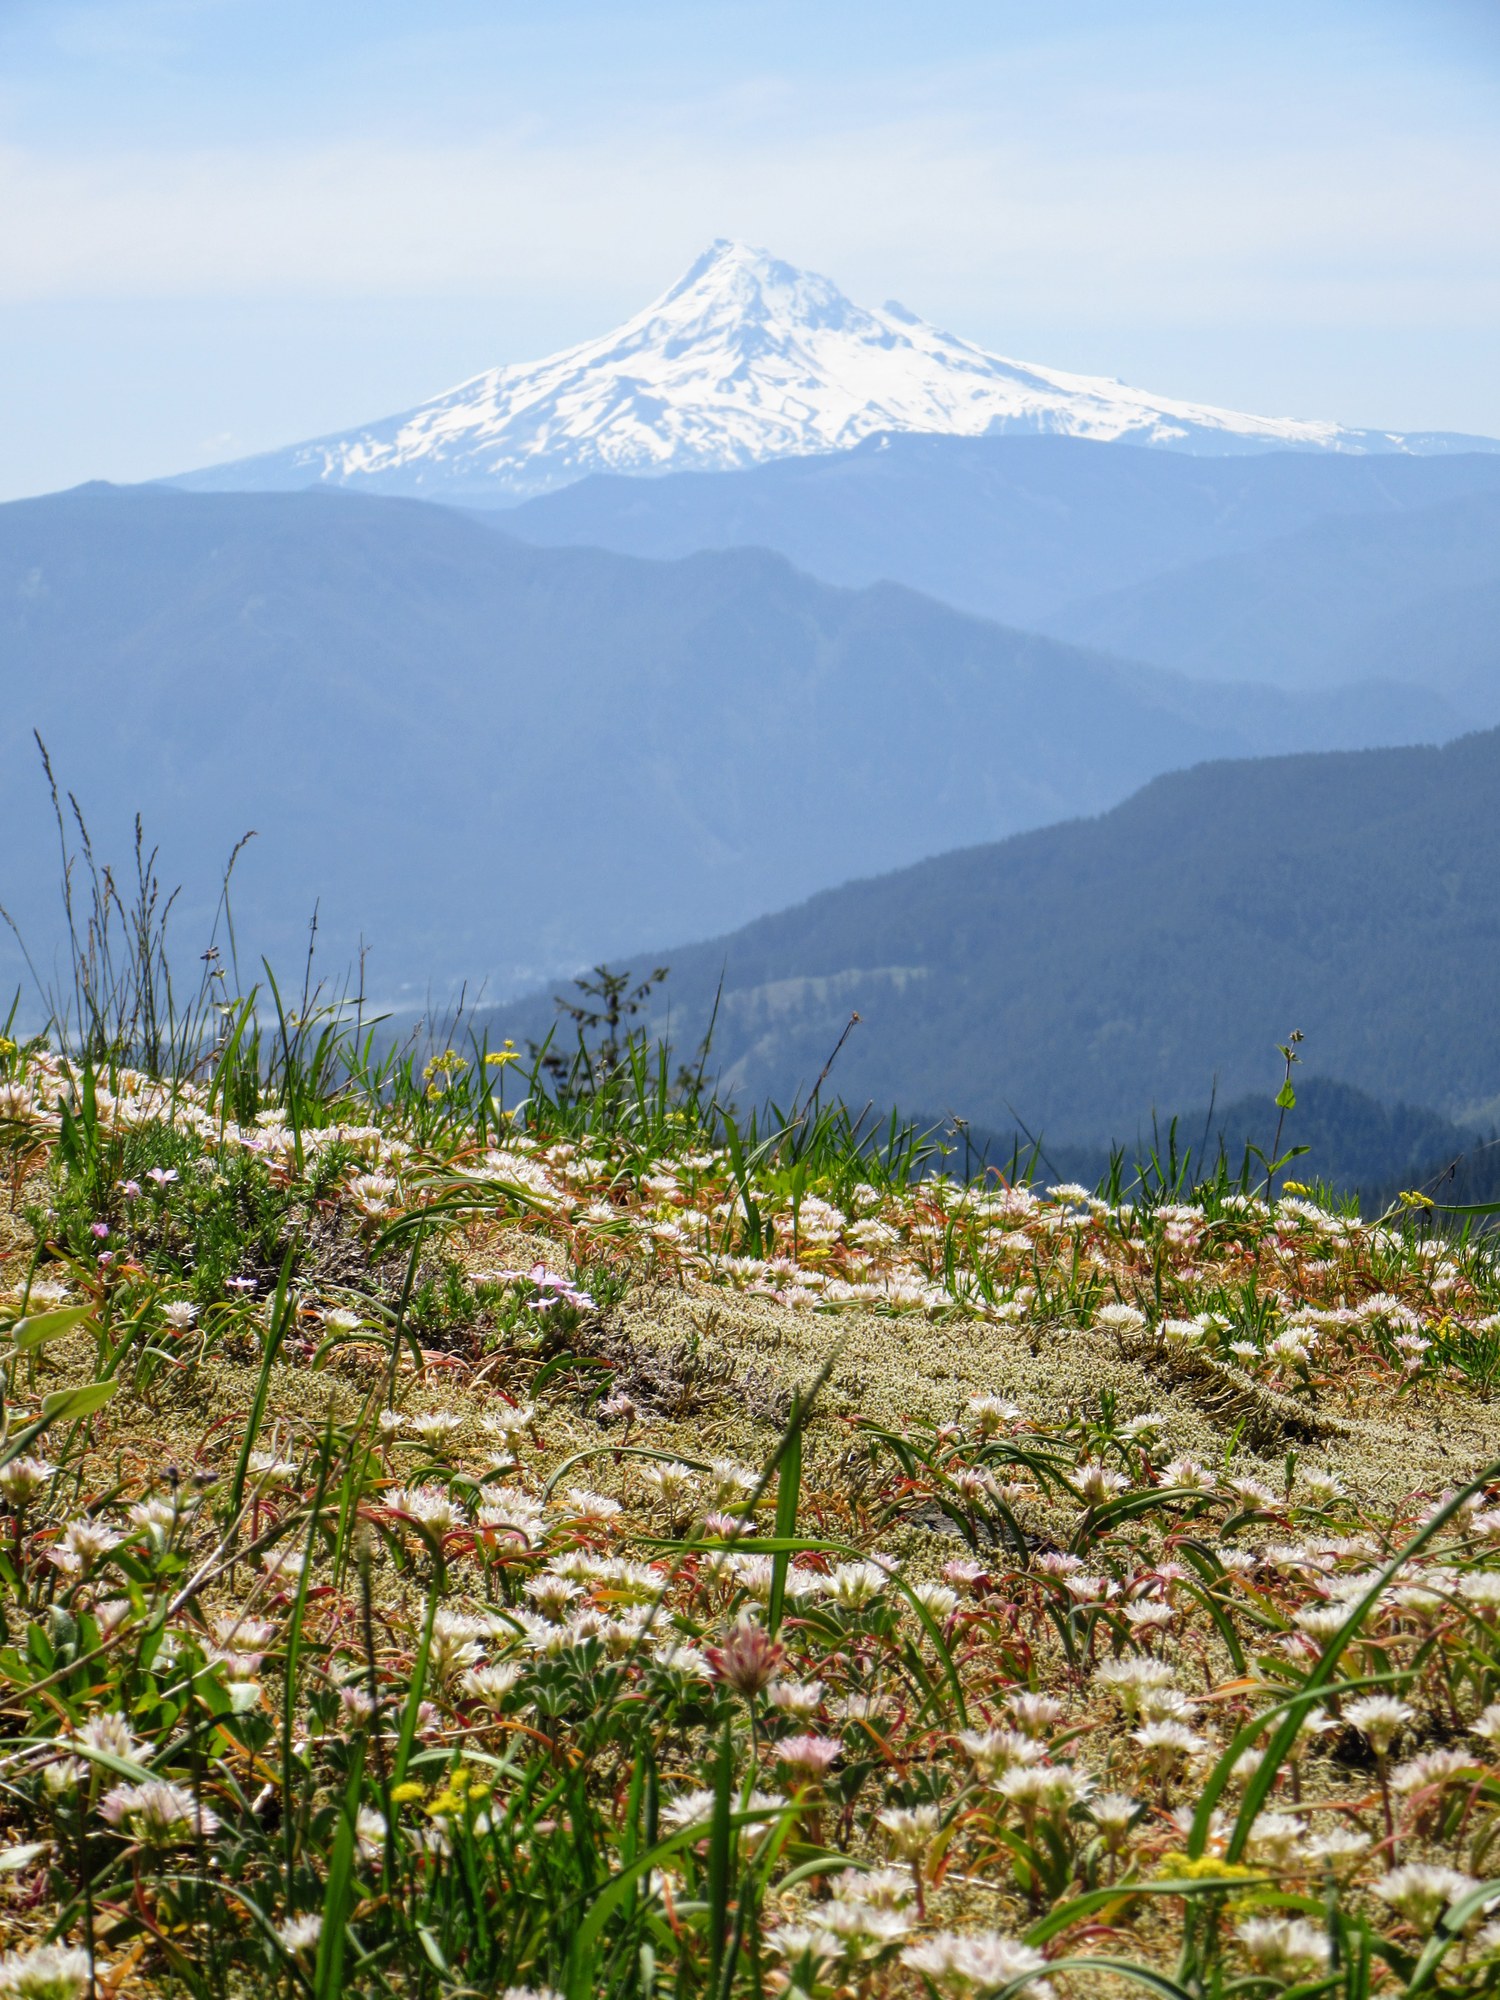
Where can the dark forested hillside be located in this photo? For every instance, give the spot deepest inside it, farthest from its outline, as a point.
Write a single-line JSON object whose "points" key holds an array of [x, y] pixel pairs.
{"points": [[1082, 975], [1340, 1137]]}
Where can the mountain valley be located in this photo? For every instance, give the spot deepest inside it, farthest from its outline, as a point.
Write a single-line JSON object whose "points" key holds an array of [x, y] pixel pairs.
{"points": [[493, 761]]}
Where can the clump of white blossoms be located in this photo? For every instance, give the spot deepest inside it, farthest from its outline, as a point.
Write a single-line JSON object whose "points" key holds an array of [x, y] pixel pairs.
{"points": [[48, 1972]]}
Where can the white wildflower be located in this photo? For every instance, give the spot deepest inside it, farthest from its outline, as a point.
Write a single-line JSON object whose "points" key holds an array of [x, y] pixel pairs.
{"points": [[1420, 1891], [298, 1934], [1286, 1949], [960, 1962], [47, 1972], [1379, 1718], [157, 1813]]}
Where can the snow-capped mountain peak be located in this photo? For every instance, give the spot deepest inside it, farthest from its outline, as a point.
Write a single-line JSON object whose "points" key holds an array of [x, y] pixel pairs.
{"points": [[744, 359], [732, 288]]}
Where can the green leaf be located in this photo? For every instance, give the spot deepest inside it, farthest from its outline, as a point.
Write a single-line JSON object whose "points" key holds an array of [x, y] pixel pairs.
{"points": [[563, 1364], [119, 1767], [1127, 1505], [434, 1951], [38, 1328], [367, 1336], [1286, 1097], [1062, 1916], [1213, 1573], [64, 1405], [1121, 1968], [617, 1451]]}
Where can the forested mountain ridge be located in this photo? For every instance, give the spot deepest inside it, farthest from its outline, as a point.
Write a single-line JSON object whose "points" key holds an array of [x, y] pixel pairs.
{"points": [[491, 760], [1083, 975], [1015, 528]]}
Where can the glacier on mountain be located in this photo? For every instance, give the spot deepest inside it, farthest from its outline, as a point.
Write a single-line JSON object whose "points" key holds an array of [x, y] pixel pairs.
{"points": [[747, 359]]}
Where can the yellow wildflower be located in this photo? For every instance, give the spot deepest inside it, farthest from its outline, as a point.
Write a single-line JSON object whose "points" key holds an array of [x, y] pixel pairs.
{"points": [[1179, 1867]]}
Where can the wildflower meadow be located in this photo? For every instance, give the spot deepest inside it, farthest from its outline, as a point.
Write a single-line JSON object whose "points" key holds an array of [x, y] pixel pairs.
{"points": [[471, 1528]]}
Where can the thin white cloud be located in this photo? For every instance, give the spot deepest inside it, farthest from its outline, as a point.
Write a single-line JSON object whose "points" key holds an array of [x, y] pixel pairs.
{"points": [[230, 216], [1408, 227]]}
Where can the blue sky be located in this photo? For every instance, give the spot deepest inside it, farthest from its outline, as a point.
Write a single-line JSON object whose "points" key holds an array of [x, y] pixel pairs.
{"points": [[226, 224]]}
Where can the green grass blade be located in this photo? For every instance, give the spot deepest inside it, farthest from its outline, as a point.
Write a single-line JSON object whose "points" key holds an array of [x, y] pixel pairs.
{"points": [[720, 1857], [282, 1307], [788, 1496], [338, 1895]]}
